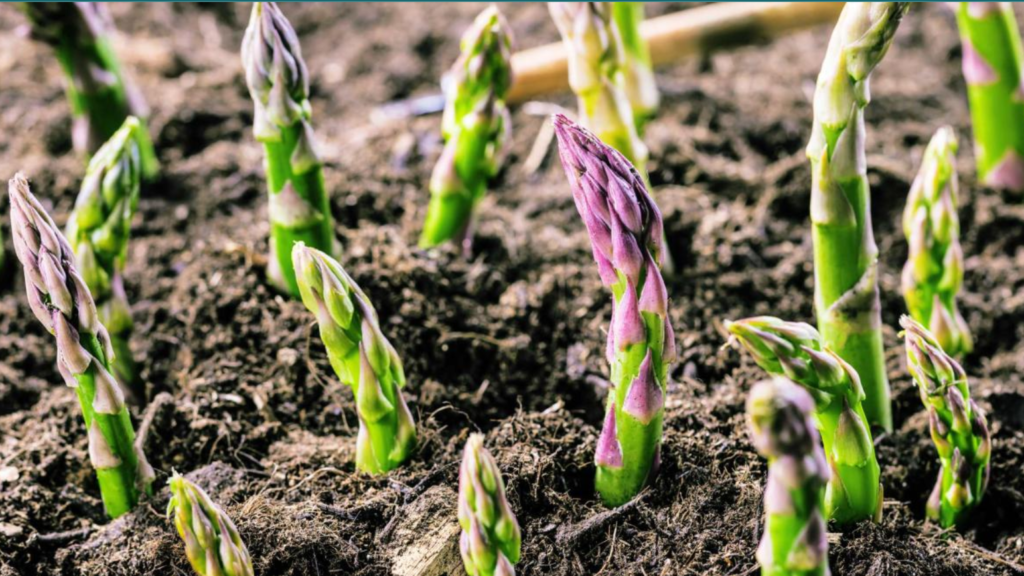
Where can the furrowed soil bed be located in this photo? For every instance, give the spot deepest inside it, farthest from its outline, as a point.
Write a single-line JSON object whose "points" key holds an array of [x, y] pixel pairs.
{"points": [[509, 343]]}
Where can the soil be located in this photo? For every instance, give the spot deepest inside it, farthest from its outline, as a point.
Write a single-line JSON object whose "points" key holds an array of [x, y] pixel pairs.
{"points": [[509, 343]]}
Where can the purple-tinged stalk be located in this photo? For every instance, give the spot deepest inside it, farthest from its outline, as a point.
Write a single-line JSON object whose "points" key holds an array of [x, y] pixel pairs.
{"points": [[212, 543], [491, 540], [625, 231], [61, 301]]}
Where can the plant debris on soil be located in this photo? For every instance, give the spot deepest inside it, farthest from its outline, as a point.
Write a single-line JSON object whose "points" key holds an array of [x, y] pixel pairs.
{"points": [[243, 399]]}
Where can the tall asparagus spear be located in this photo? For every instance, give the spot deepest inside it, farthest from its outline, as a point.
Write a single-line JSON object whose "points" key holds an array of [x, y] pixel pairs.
{"points": [[101, 96], [212, 543], [934, 270], [794, 541], [845, 254], [992, 58], [625, 233], [958, 426], [477, 129], [98, 231], [279, 85], [62, 303], [796, 351], [361, 357], [490, 541], [639, 74]]}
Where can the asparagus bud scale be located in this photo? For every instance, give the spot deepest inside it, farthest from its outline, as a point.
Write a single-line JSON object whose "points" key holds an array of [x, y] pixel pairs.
{"points": [[491, 540], [212, 543]]}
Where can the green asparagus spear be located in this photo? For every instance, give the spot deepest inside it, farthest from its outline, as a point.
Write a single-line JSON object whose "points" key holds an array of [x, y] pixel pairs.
{"points": [[279, 85], [98, 232], [477, 129], [845, 254], [794, 541], [361, 357], [796, 351], [639, 74], [490, 540], [101, 96], [62, 303], [958, 426], [212, 543], [992, 60], [934, 270]]}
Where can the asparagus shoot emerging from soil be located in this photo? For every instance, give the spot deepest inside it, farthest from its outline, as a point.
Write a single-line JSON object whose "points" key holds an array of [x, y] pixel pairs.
{"points": [[796, 351], [845, 254], [934, 270], [641, 87], [477, 129], [212, 543], [596, 63], [279, 85], [98, 233], [361, 357], [490, 540], [795, 542], [992, 68], [625, 232], [62, 303], [101, 96], [958, 426]]}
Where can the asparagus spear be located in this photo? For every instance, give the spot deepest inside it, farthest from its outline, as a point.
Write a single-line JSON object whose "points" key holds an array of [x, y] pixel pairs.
{"points": [[934, 270], [639, 75], [992, 68], [845, 254], [98, 231], [101, 95], [796, 350], [625, 232], [279, 85], [62, 303], [490, 541], [361, 357], [477, 129], [212, 543], [958, 426], [794, 541]]}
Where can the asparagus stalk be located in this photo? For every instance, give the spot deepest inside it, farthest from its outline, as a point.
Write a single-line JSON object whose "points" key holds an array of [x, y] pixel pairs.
{"points": [[476, 127], [625, 231], [62, 303], [641, 87], [490, 541], [212, 543], [794, 541], [98, 232], [934, 270], [992, 58], [100, 94], [845, 254], [796, 350], [958, 425], [361, 357], [279, 85]]}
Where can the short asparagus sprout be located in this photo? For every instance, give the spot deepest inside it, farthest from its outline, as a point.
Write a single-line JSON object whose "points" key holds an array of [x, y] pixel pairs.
{"points": [[845, 254], [934, 270], [795, 350], [625, 231], [958, 426], [212, 543], [98, 232], [477, 129], [101, 96], [61, 301], [992, 59], [597, 76], [490, 541], [279, 85], [795, 542], [361, 357], [641, 87]]}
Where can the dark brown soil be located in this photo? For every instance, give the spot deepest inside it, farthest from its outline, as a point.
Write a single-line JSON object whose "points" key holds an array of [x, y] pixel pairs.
{"points": [[509, 343]]}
